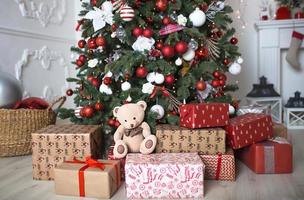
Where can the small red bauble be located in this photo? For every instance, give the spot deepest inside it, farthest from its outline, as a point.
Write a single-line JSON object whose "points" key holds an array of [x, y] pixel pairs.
{"points": [[111, 122], [222, 77], [204, 7], [217, 95], [222, 82], [79, 63], [92, 43], [93, 2], [101, 41], [141, 72], [161, 5], [202, 53], [87, 111], [90, 78], [200, 85], [234, 41], [114, 27], [149, 20], [137, 31], [95, 82], [148, 32], [226, 61], [81, 43], [181, 47], [69, 92], [167, 51], [98, 106], [216, 74], [82, 58], [219, 33], [166, 20], [213, 35], [215, 83], [169, 79], [117, 123], [159, 44], [107, 80]]}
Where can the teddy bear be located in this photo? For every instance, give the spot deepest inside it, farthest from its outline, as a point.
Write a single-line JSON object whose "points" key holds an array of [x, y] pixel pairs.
{"points": [[134, 134]]}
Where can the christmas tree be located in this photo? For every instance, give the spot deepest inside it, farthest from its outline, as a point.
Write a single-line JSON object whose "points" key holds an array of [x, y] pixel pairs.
{"points": [[161, 51]]}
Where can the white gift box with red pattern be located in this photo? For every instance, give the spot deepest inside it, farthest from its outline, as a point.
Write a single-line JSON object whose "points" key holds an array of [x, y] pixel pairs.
{"points": [[164, 176]]}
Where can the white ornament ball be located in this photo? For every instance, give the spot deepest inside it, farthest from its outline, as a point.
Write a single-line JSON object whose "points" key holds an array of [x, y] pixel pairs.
{"points": [[129, 99], [240, 60], [77, 112], [231, 110], [127, 13], [235, 68], [151, 77], [189, 55], [10, 90], [197, 17], [159, 78], [125, 86], [179, 62], [159, 110], [107, 6]]}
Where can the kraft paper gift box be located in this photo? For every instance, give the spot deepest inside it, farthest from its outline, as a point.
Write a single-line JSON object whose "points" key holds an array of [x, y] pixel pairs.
{"points": [[204, 115], [165, 176], [56, 143], [174, 139], [269, 157], [280, 130], [92, 178], [248, 129], [220, 167], [122, 162]]}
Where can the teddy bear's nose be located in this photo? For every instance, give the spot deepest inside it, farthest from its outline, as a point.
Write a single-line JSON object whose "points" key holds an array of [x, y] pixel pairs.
{"points": [[132, 125]]}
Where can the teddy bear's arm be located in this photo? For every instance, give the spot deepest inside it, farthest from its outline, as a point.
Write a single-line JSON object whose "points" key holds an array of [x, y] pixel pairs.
{"points": [[119, 133], [146, 129]]}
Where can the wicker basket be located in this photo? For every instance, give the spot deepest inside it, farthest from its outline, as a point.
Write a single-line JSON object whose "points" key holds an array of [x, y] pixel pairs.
{"points": [[17, 125]]}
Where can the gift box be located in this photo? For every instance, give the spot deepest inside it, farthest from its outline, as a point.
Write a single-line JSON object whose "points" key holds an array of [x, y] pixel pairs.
{"points": [[255, 108], [204, 115], [269, 157], [248, 129], [56, 143], [122, 162], [90, 178], [279, 130], [173, 139], [220, 167], [164, 176]]}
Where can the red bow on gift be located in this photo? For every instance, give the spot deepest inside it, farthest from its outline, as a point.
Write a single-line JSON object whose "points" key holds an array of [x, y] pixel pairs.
{"points": [[91, 163], [159, 88]]}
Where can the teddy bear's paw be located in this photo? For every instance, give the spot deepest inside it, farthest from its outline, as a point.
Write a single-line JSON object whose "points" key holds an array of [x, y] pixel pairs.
{"points": [[148, 145], [120, 149]]}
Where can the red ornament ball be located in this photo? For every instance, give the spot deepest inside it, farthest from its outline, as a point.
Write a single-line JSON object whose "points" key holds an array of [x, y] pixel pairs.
{"points": [[95, 82], [234, 40], [200, 85], [111, 122], [117, 123], [101, 41], [107, 80], [159, 44], [87, 112], [141, 72], [99, 106], [79, 63], [69, 92], [202, 53], [93, 2], [137, 31], [181, 47], [215, 83], [216, 74], [169, 79], [204, 7], [90, 78], [166, 20], [226, 61], [222, 77], [82, 58], [222, 82], [92, 43], [161, 5], [81, 43], [148, 32], [167, 51]]}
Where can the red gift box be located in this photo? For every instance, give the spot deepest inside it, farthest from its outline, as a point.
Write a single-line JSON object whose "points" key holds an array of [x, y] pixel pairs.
{"points": [[122, 162], [204, 115], [248, 129], [269, 157]]}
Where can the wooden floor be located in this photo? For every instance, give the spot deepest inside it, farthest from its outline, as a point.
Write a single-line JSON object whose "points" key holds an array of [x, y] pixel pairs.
{"points": [[16, 182]]}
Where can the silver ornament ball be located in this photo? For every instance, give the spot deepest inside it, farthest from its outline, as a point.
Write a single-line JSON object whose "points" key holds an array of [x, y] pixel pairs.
{"points": [[10, 90]]}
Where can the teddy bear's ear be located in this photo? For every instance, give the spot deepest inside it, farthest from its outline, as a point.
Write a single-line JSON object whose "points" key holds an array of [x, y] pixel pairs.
{"points": [[142, 104], [115, 111]]}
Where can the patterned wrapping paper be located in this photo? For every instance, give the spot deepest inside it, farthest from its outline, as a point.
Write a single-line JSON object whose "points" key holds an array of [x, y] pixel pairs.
{"points": [[220, 167], [204, 115], [173, 139], [164, 176], [122, 162], [98, 179], [56, 143], [269, 157], [248, 129]]}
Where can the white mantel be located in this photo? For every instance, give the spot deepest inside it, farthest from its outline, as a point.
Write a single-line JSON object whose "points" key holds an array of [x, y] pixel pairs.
{"points": [[274, 36]]}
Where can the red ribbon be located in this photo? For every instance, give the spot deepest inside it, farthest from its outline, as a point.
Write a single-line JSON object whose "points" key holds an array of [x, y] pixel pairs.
{"points": [[159, 88], [80, 22], [95, 164], [219, 166]]}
